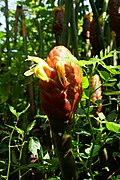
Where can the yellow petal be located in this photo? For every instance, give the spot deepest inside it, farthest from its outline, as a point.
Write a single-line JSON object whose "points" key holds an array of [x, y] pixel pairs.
{"points": [[60, 67], [29, 72], [40, 73], [34, 59], [39, 68]]}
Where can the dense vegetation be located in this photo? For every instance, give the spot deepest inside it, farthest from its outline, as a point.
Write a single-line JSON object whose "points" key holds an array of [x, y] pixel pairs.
{"points": [[26, 144]]}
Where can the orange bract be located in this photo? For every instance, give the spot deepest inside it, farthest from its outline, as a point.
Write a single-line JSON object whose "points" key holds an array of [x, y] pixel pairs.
{"points": [[60, 96]]}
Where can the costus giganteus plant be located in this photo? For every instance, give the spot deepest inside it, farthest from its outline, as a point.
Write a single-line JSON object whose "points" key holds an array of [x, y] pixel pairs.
{"points": [[60, 81]]}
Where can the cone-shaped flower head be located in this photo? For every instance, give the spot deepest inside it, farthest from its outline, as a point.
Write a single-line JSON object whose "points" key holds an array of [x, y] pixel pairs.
{"points": [[60, 82]]}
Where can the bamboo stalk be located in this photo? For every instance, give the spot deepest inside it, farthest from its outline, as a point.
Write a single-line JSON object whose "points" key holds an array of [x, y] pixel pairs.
{"points": [[65, 33], [74, 30], [7, 33]]}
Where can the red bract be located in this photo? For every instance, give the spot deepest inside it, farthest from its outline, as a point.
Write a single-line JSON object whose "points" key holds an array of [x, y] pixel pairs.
{"points": [[90, 32], [58, 23], [114, 10], [60, 96]]}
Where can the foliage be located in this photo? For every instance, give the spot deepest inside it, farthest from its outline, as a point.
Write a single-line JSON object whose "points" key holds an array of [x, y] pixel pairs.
{"points": [[26, 144]]}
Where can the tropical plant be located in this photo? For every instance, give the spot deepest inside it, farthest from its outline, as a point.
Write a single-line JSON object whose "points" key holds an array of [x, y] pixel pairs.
{"points": [[29, 147]]}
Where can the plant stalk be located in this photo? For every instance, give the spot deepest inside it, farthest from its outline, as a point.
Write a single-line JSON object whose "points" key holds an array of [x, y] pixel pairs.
{"points": [[7, 33], [74, 30], [98, 28], [93, 140], [63, 145]]}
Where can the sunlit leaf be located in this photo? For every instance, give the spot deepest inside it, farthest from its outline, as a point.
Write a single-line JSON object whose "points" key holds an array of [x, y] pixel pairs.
{"points": [[85, 82], [114, 127], [101, 116], [118, 85], [112, 79], [110, 54], [109, 84], [112, 70], [13, 111], [34, 145], [110, 93], [47, 156], [95, 150], [19, 131], [30, 126], [3, 166]]}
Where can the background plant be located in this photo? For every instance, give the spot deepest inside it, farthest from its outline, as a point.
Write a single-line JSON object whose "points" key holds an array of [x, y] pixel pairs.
{"points": [[95, 137]]}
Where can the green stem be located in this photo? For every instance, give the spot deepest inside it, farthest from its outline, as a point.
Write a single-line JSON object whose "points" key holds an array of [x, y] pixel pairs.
{"points": [[74, 34], [92, 135], [93, 140], [9, 154], [9, 151], [63, 144]]}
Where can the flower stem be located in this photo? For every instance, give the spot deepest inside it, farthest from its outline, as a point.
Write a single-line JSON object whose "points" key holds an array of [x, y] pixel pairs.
{"points": [[92, 142], [62, 139]]}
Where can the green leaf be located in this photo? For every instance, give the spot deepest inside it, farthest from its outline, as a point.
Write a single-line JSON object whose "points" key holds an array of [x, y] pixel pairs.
{"points": [[22, 112], [95, 150], [112, 70], [82, 63], [110, 54], [109, 84], [112, 79], [104, 75], [85, 82], [101, 116], [34, 145], [13, 111], [30, 127], [110, 93], [4, 177], [112, 116], [118, 85], [46, 157], [3, 166], [114, 127], [84, 96], [19, 131], [17, 114], [54, 162], [28, 166], [116, 154]]}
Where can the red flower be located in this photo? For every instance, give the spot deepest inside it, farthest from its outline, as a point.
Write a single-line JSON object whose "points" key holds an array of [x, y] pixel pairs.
{"points": [[61, 90]]}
